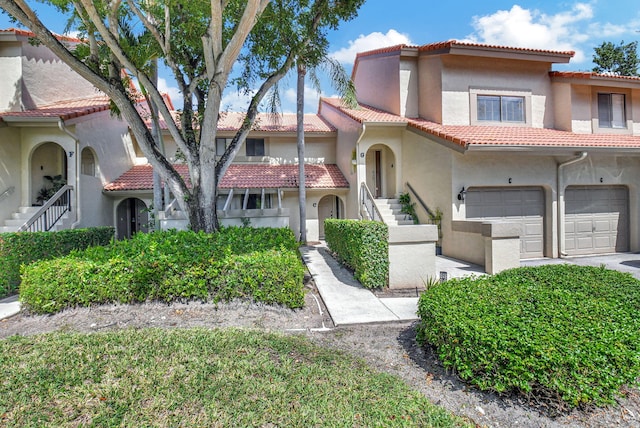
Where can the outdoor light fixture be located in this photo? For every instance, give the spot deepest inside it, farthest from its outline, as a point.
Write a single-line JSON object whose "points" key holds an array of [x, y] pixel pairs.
{"points": [[461, 194]]}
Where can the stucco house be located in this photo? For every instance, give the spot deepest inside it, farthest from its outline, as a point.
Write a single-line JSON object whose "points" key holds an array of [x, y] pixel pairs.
{"points": [[508, 149], [491, 134], [55, 124]]}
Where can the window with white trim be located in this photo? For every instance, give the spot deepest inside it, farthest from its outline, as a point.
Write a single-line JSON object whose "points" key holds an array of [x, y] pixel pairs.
{"points": [[501, 108], [611, 111]]}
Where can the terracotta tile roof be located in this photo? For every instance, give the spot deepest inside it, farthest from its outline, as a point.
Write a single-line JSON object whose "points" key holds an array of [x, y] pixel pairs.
{"points": [[481, 135], [455, 43], [63, 109], [364, 113], [243, 176], [590, 75], [27, 33], [231, 121], [514, 136]]}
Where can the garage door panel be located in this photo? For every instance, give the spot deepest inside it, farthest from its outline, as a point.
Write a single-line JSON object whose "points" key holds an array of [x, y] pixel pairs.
{"points": [[524, 205], [596, 219]]}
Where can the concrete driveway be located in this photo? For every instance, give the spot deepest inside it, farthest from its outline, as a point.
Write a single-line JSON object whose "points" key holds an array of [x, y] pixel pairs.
{"points": [[624, 262]]}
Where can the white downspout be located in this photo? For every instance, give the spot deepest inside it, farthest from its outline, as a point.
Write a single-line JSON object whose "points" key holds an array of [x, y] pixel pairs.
{"points": [[561, 247], [359, 187], [63, 128]]}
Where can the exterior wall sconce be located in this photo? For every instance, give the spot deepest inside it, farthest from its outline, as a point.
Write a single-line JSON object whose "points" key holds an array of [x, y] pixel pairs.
{"points": [[461, 194]]}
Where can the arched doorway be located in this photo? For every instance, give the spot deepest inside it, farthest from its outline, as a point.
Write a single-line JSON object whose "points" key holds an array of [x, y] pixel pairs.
{"points": [[381, 171], [48, 164], [132, 217], [330, 206]]}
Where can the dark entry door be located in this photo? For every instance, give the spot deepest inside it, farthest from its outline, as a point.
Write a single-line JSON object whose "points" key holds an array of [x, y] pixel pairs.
{"points": [[132, 218]]}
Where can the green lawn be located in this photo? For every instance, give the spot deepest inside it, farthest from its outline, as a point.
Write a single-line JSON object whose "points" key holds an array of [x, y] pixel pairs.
{"points": [[198, 377]]}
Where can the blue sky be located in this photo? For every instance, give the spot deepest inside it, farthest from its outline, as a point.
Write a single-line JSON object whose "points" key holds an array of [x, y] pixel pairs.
{"points": [[548, 24]]}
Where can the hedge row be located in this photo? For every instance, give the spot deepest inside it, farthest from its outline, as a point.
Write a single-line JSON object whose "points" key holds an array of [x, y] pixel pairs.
{"points": [[26, 247], [558, 331], [171, 266], [363, 246]]}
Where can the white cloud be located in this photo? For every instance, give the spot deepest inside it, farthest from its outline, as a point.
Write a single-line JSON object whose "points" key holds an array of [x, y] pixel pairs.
{"points": [[369, 42], [173, 91], [528, 28], [233, 100]]}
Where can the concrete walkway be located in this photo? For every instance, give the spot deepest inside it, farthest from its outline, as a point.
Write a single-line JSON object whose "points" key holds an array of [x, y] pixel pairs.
{"points": [[9, 307]]}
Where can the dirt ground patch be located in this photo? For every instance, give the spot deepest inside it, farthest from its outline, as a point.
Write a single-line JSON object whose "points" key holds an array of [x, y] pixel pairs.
{"points": [[388, 347]]}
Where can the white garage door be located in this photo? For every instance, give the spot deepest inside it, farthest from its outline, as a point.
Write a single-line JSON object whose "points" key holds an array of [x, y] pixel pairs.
{"points": [[596, 219], [524, 205]]}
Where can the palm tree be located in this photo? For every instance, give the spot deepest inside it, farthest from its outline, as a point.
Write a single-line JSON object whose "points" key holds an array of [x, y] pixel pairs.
{"points": [[343, 84]]}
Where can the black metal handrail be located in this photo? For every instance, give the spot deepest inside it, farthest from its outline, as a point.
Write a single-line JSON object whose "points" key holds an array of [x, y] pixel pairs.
{"points": [[46, 217], [369, 204], [419, 199]]}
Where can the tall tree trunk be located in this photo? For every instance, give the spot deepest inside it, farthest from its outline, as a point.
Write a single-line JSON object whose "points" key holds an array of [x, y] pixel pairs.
{"points": [[302, 191]]}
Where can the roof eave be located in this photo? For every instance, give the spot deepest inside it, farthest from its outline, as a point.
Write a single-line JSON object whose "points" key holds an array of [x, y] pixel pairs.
{"points": [[549, 149]]}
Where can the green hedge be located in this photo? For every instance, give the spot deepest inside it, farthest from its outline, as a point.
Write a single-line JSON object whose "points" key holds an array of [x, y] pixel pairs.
{"points": [[258, 264], [363, 246], [555, 331], [26, 247]]}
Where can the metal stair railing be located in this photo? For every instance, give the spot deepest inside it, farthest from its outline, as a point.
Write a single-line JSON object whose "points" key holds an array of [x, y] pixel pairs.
{"points": [[367, 201], [419, 199], [48, 215]]}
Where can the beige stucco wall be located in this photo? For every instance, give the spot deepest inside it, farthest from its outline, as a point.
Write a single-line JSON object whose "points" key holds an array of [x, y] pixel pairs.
{"points": [[11, 83], [377, 79], [348, 134], [408, 85], [430, 88], [10, 155], [46, 79], [316, 150], [460, 74], [438, 173]]}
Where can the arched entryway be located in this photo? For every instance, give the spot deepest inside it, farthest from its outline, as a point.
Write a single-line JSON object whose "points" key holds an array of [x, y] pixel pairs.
{"points": [[381, 171], [48, 168], [330, 206], [132, 217]]}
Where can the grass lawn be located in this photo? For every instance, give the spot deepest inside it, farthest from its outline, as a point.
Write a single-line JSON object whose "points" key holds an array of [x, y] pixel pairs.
{"points": [[197, 377]]}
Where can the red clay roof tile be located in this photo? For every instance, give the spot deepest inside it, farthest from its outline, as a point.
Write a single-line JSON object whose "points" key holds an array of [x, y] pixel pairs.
{"points": [[243, 176], [63, 109], [481, 135]]}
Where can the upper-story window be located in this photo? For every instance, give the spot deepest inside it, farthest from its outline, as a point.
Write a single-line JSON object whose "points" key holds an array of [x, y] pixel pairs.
{"points": [[221, 145], [501, 108], [254, 147], [611, 111]]}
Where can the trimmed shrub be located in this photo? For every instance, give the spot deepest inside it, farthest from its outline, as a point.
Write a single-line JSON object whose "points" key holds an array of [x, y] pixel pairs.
{"points": [[560, 332], [363, 246], [170, 266], [26, 247]]}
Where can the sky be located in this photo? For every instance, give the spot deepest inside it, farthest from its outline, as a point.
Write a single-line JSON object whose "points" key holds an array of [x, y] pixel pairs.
{"points": [[547, 24]]}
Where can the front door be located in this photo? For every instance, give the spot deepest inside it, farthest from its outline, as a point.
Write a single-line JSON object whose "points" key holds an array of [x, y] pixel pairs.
{"points": [[328, 207], [132, 217]]}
